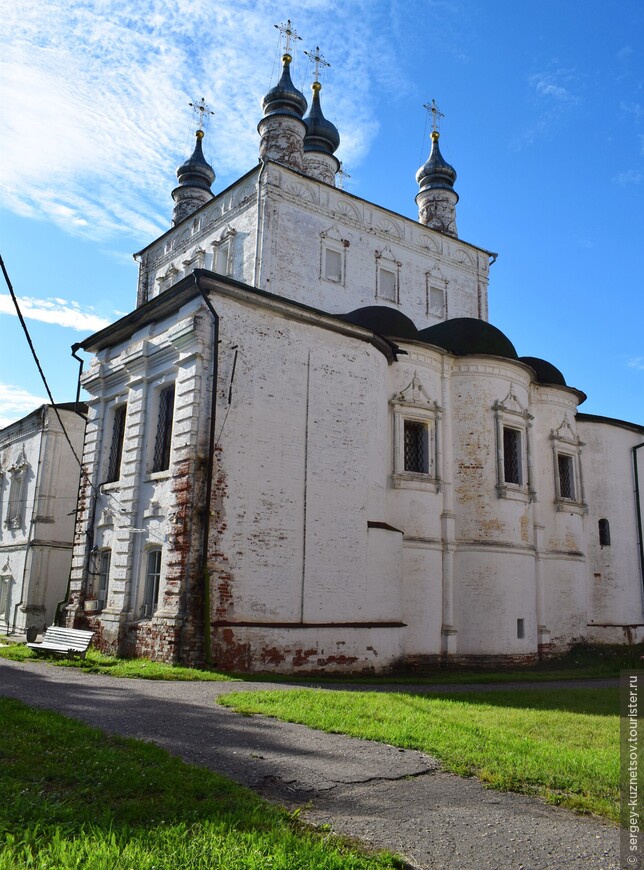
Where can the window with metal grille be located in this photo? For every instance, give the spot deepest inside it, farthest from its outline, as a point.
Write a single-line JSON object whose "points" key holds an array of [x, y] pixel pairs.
{"points": [[152, 577], [103, 577], [116, 447], [163, 441], [512, 471], [416, 447], [566, 476], [604, 533]]}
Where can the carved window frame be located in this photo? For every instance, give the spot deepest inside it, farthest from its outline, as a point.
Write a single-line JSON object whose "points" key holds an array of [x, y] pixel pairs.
{"points": [[414, 405], [223, 252], [386, 262], [435, 280], [6, 581], [331, 240], [17, 498], [565, 443], [510, 414]]}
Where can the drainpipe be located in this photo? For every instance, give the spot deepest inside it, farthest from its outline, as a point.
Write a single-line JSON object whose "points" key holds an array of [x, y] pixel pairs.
{"points": [[259, 225], [209, 470], [76, 347], [638, 507]]}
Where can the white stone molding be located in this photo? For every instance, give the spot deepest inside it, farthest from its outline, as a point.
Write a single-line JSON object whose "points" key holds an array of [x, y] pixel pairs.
{"points": [[567, 448], [435, 280], [332, 241], [387, 263], [414, 405], [510, 413]]}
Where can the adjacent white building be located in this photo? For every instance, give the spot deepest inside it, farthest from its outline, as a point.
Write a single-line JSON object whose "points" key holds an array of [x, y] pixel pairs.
{"points": [[38, 491], [307, 449]]}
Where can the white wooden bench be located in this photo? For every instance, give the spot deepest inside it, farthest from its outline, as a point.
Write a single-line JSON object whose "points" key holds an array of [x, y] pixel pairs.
{"points": [[64, 641]]}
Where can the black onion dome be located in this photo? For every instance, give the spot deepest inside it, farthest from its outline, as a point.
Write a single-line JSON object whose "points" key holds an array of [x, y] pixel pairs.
{"points": [[196, 171], [284, 98], [321, 135], [383, 320], [546, 373], [468, 335], [437, 172]]}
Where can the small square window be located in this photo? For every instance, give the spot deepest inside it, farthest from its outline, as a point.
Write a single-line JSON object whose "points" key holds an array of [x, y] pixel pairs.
{"points": [[387, 284], [565, 468], [333, 265], [416, 447], [512, 471]]}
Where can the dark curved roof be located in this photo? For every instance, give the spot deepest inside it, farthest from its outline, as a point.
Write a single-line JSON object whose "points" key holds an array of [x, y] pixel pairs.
{"points": [[546, 373], [467, 335], [383, 320]]}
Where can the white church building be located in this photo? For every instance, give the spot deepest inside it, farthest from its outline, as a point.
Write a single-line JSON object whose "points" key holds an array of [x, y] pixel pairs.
{"points": [[308, 449]]}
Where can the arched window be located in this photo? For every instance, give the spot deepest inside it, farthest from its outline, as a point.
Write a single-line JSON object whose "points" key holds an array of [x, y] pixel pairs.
{"points": [[604, 533]]}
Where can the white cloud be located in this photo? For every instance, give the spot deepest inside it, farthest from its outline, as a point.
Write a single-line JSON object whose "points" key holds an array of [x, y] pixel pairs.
{"points": [[58, 311], [636, 362], [16, 402], [99, 91]]}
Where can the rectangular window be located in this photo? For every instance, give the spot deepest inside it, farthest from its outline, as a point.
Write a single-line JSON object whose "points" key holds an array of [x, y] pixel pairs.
{"points": [[566, 476], [512, 456], [387, 284], [416, 447], [4, 598], [152, 577], [103, 577], [17, 498], [116, 447], [436, 300], [332, 265], [520, 629], [222, 258], [163, 440]]}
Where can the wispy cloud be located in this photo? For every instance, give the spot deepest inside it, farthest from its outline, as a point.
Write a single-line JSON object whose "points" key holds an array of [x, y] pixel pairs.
{"points": [[629, 176], [552, 95], [554, 85], [58, 311], [636, 362], [16, 402], [99, 97]]}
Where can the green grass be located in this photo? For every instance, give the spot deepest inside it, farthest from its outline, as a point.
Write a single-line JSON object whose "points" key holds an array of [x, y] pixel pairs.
{"points": [[74, 797], [584, 661], [562, 745], [97, 663]]}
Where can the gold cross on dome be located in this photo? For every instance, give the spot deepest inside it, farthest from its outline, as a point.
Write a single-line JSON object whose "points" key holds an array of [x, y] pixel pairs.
{"points": [[318, 60], [288, 33], [202, 109], [435, 112]]}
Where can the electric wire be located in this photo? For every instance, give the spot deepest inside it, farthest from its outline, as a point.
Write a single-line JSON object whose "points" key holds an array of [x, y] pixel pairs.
{"points": [[84, 474]]}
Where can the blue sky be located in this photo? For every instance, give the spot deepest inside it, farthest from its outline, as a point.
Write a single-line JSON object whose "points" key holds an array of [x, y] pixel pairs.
{"points": [[544, 123]]}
